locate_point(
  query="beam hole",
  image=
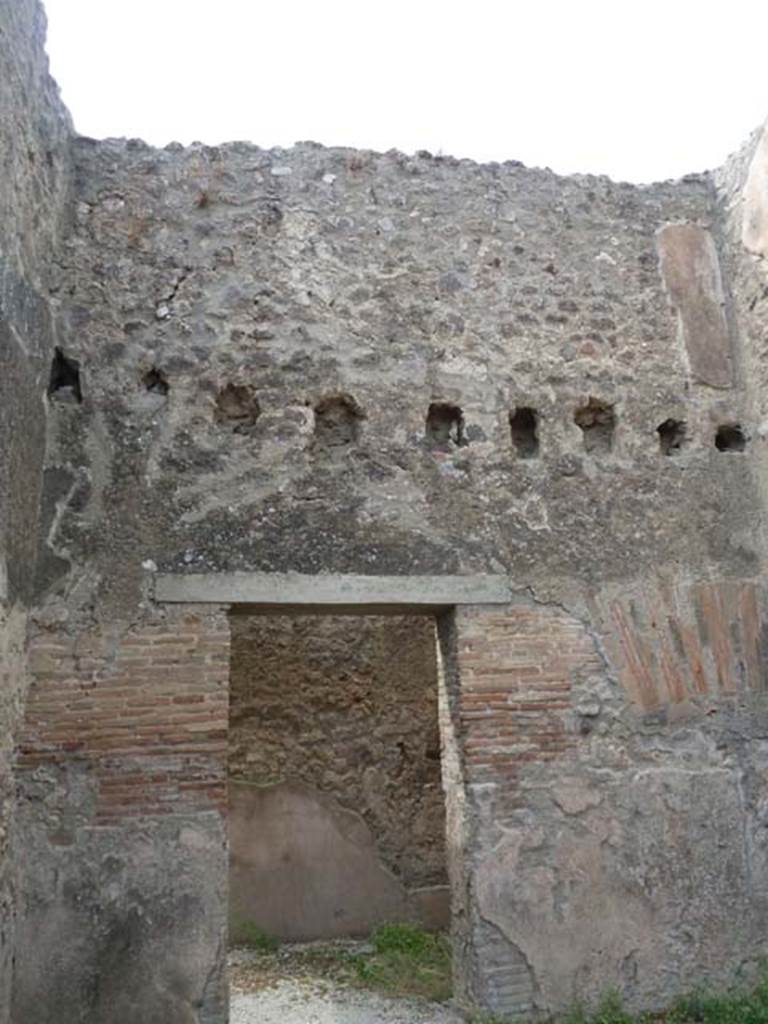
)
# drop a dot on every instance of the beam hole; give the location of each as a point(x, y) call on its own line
point(237, 407)
point(64, 381)
point(597, 422)
point(729, 437)
point(155, 381)
point(445, 426)
point(524, 424)
point(338, 420)
point(673, 436)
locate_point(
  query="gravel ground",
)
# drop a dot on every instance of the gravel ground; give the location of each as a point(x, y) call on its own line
point(297, 1002)
point(310, 985)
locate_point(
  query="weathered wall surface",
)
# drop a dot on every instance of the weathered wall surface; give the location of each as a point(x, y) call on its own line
point(308, 360)
point(614, 848)
point(12, 684)
point(338, 715)
point(402, 283)
point(303, 866)
point(122, 775)
point(742, 192)
point(326, 360)
point(34, 132)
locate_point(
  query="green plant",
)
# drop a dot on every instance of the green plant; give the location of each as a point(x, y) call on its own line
point(244, 932)
point(404, 940)
point(748, 1007)
point(702, 1007)
point(407, 961)
point(610, 1010)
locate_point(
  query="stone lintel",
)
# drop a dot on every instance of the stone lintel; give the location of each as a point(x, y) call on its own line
point(329, 592)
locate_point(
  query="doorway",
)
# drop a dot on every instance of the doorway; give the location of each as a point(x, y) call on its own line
point(337, 819)
point(452, 604)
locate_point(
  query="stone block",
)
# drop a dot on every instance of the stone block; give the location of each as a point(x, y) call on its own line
point(690, 270)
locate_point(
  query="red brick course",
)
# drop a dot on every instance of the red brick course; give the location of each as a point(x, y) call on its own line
point(674, 645)
point(145, 710)
point(517, 667)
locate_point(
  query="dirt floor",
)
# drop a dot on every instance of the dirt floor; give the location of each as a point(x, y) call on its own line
point(316, 984)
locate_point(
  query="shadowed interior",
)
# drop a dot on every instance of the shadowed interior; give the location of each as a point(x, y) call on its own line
point(336, 810)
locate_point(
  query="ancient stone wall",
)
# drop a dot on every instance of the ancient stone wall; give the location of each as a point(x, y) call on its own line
point(322, 360)
point(430, 300)
point(34, 132)
point(12, 686)
point(344, 710)
point(742, 190)
point(337, 361)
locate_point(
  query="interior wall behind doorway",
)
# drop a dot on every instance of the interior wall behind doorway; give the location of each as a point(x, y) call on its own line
point(336, 809)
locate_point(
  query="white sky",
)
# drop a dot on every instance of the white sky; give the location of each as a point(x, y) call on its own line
point(638, 89)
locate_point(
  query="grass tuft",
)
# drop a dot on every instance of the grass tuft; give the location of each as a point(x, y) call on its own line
point(244, 932)
point(407, 961)
point(702, 1007)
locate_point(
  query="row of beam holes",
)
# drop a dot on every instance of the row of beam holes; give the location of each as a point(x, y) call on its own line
point(236, 406)
point(596, 420)
point(338, 418)
point(673, 437)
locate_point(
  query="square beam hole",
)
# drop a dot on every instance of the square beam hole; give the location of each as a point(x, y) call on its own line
point(524, 427)
point(597, 422)
point(729, 437)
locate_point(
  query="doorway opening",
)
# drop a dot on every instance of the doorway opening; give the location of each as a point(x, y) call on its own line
point(337, 812)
